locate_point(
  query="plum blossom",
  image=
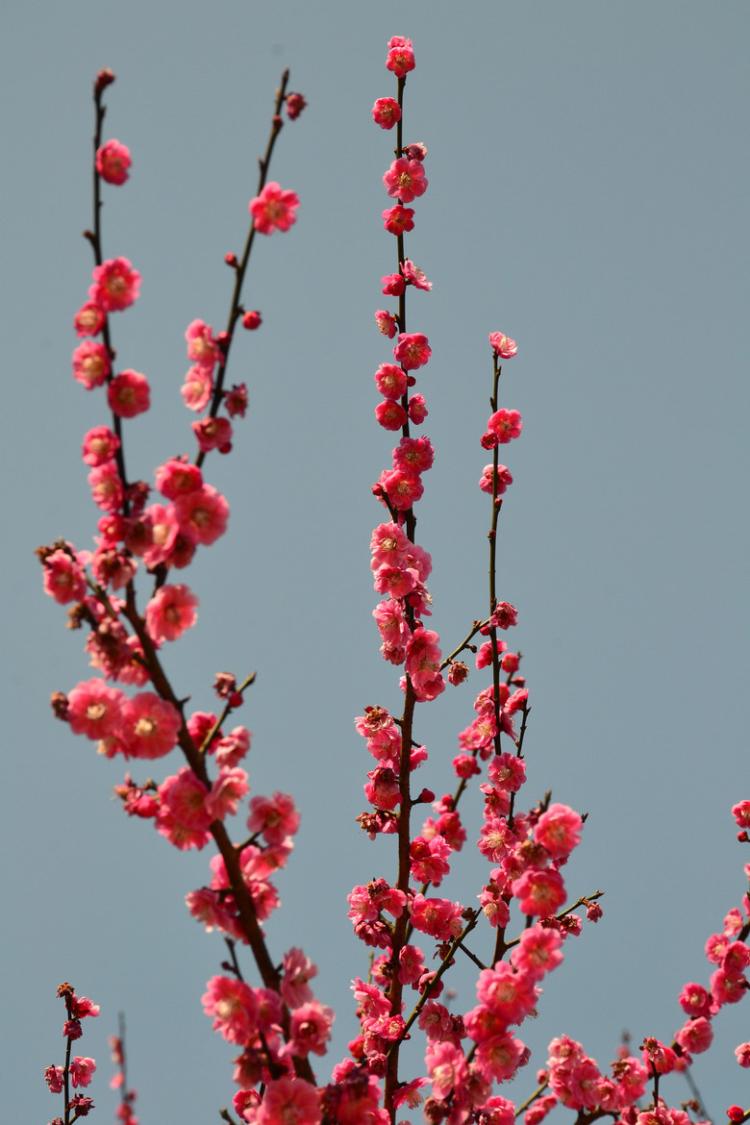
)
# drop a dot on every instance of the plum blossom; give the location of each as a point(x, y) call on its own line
point(274, 209)
point(116, 285)
point(113, 162)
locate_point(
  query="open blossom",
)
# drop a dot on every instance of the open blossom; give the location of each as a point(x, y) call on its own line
point(291, 1101)
point(274, 209)
point(227, 791)
point(113, 162)
point(298, 971)
point(150, 726)
point(170, 612)
point(89, 320)
point(178, 477)
point(559, 830)
point(398, 220)
point(402, 489)
point(116, 285)
point(81, 1070)
point(423, 659)
point(202, 348)
point(310, 1029)
point(233, 1007)
point(502, 345)
point(413, 275)
point(503, 479)
point(540, 891)
point(64, 577)
point(412, 350)
point(197, 387)
point(386, 322)
point(106, 487)
point(390, 415)
point(390, 381)
point(213, 433)
point(94, 709)
point(386, 113)
point(504, 425)
point(54, 1076)
point(400, 59)
point(437, 917)
point(91, 364)
point(276, 817)
point(202, 514)
point(100, 445)
point(405, 179)
point(129, 394)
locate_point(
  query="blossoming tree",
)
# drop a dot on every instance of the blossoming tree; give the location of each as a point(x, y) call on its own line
point(512, 928)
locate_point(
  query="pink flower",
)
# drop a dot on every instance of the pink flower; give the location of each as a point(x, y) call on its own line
point(417, 409)
point(504, 425)
point(54, 1076)
point(539, 891)
point(202, 348)
point(386, 112)
point(390, 381)
point(398, 220)
point(170, 612)
point(413, 275)
point(298, 971)
point(386, 323)
point(499, 1056)
point(150, 726)
point(741, 814)
point(113, 162)
point(177, 478)
point(696, 1036)
point(275, 817)
point(116, 285)
point(423, 658)
point(437, 917)
point(742, 1054)
point(412, 350)
point(559, 831)
point(448, 1068)
point(232, 1005)
point(310, 1029)
point(197, 388)
point(392, 285)
point(202, 514)
point(538, 952)
point(695, 1000)
point(290, 1101)
point(400, 59)
point(94, 709)
point(402, 489)
point(502, 345)
point(164, 529)
point(232, 748)
point(89, 320)
point(226, 793)
point(99, 446)
point(128, 394)
point(64, 577)
point(390, 415)
point(213, 433)
point(274, 209)
point(106, 487)
point(91, 364)
point(82, 1070)
point(503, 479)
point(405, 179)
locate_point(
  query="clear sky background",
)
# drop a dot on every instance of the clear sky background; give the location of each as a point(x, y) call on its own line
point(588, 195)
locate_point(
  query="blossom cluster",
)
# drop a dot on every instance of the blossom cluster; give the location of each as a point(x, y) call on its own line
point(78, 1070)
point(515, 928)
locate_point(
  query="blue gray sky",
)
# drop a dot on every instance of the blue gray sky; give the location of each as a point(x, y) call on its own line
point(588, 182)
